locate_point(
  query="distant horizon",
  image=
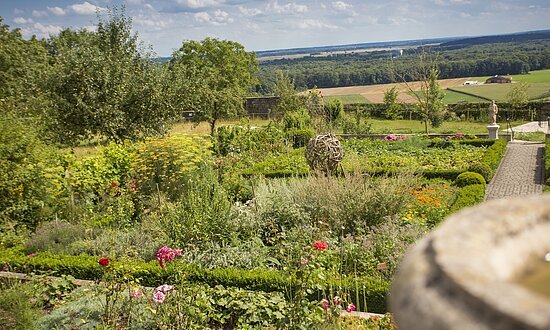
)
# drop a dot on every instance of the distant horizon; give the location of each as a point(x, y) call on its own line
point(284, 24)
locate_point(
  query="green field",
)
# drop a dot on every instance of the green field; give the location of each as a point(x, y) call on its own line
point(498, 92)
point(348, 99)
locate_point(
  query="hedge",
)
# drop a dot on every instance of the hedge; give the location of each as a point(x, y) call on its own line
point(85, 267)
point(469, 196)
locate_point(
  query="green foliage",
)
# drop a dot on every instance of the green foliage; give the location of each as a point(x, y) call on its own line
point(493, 155)
point(356, 125)
point(17, 310)
point(166, 163)
point(289, 100)
point(243, 139)
point(203, 212)
point(334, 110)
point(469, 178)
point(54, 237)
point(469, 196)
point(102, 84)
point(289, 164)
point(373, 290)
point(483, 169)
point(300, 137)
point(215, 75)
point(392, 105)
point(25, 185)
point(296, 120)
point(517, 96)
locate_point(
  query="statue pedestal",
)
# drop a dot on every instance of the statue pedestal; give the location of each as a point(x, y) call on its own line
point(493, 131)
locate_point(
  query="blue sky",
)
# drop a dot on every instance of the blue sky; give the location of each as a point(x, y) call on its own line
point(276, 24)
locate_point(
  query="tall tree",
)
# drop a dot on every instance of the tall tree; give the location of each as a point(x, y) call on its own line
point(517, 97)
point(214, 75)
point(426, 90)
point(391, 104)
point(289, 99)
point(104, 84)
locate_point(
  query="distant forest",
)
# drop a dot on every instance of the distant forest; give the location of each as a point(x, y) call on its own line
point(454, 60)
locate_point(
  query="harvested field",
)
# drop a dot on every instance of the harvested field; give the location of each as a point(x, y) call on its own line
point(375, 93)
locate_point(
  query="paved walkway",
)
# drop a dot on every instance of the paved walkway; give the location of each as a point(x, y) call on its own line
point(521, 171)
point(531, 127)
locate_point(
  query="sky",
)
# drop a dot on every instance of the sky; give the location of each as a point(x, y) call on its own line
point(280, 24)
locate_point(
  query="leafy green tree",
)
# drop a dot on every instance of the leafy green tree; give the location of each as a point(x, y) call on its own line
point(23, 65)
point(391, 103)
point(517, 97)
point(212, 77)
point(289, 99)
point(103, 84)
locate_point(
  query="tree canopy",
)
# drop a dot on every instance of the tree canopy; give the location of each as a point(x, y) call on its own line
point(213, 76)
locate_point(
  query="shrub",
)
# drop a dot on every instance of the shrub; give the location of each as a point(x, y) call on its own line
point(55, 237)
point(493, 155)
point(334, 110)
point(164, 164)
point(482, 169)
point(300, 137)
point(24, 183)
point(469, 196)
point(244, 139)
point(16, 308)
point(296, 120)
point(469, 178)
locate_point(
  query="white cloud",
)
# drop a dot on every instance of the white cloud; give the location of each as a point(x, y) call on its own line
point(134, 2)
point(289, 8)
point(18, 11)
point(155, 23)
point(85, 8)
point(341, 5)
point(21, 20)
point(57, 11)
point(39, 13)
point(314, 24)
point(198, 3)
point(149, 6)
point(218, 17)
point(47, 29)
point(249, 11)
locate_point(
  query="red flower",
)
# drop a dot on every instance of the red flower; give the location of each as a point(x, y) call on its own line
point(104, 262)
point(320, 245)
point(114, 184)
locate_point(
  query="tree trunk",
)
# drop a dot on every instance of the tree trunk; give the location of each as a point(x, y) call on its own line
point(212, 127)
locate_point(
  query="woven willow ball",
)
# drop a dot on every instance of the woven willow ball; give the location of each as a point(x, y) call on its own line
point(324, 153)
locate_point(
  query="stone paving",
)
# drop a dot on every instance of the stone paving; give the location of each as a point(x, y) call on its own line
point(520, 173)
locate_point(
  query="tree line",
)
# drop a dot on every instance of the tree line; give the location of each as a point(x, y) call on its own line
point(382, 67)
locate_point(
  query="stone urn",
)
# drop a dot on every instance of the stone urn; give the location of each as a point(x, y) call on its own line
point(487, 267)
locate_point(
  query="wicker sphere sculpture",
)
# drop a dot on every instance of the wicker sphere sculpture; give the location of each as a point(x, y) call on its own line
point(324, 153)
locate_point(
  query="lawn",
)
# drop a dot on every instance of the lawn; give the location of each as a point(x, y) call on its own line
point(348, 99)
point(452, 97)
point(498, 92)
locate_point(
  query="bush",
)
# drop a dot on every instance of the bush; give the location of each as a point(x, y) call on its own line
point(469, 196)
point(24, 182)
point(16, 308)
point(494, 154)
point(483, 169)
point(164, 164)
point(469, 178)
point(55, 237)
point(371, 289)
point(300, 137)
point(244, 139)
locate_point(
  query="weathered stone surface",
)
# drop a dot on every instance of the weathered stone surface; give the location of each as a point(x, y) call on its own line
point(462, 275)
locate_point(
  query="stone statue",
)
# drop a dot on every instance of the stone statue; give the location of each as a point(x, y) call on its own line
point(493, 110)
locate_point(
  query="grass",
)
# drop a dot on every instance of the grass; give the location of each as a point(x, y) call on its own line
point(498, 92)
point(348, 99)
point(415, 126)
point(454, 97)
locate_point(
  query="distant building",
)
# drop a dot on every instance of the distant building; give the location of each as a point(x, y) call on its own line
point(471, 82)
point(498, 80)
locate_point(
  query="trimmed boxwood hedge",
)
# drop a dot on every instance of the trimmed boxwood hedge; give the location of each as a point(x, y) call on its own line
point(469, 196)
point(373, 290)
point(547, 160)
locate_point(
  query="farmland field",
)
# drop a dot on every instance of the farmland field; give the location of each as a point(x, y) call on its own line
point(539, 87)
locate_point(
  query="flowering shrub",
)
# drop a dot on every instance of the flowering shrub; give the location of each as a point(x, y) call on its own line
point(165, 254)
